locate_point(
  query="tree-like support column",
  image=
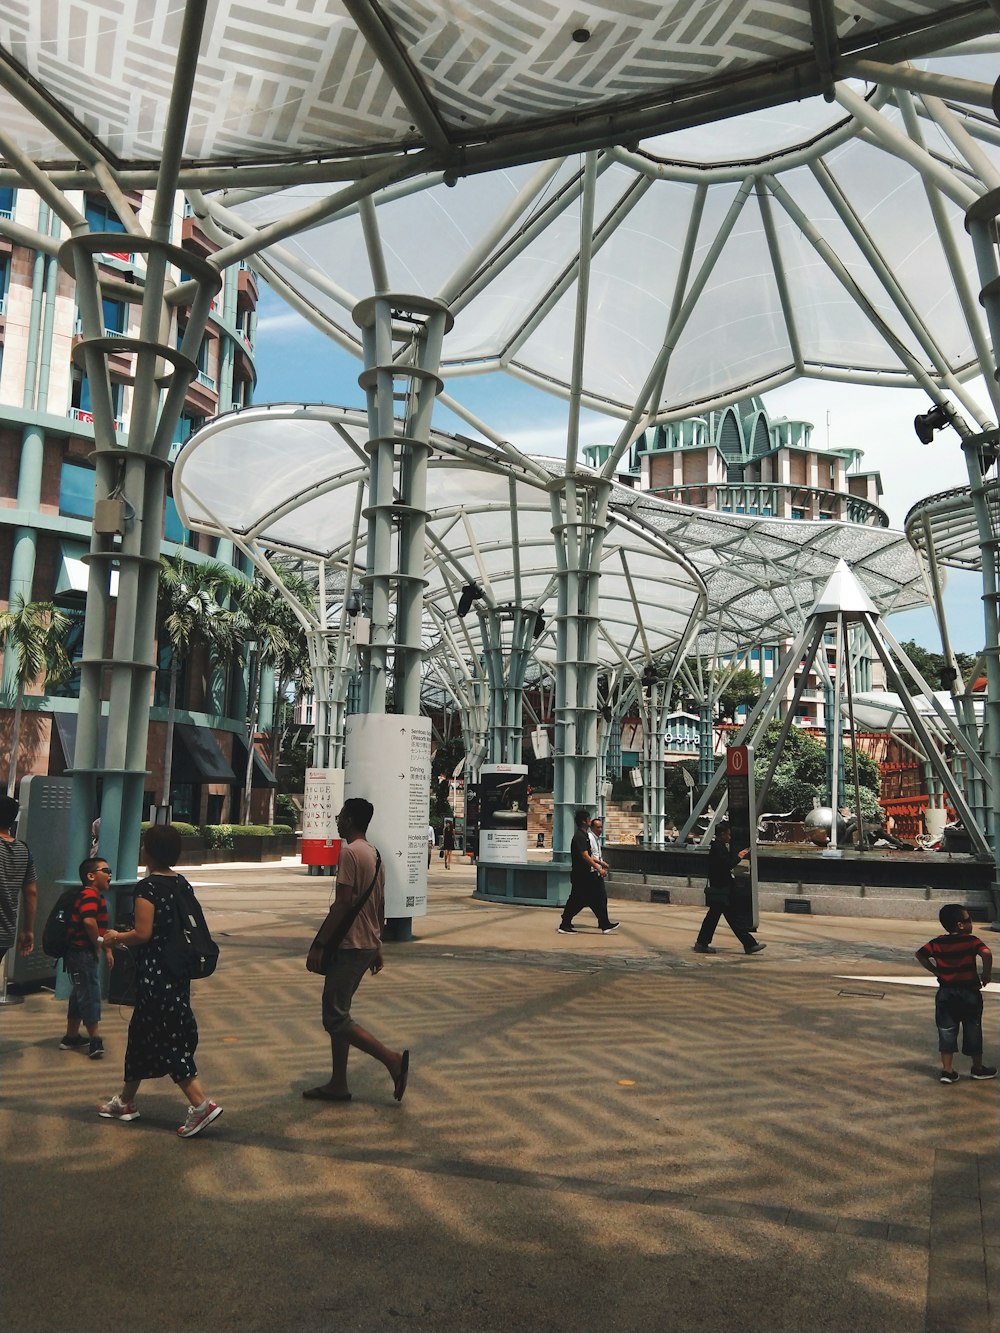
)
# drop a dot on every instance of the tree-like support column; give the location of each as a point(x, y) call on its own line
point(653, 695)
point(579, 522)
point(981, 453)
point(128, 527)
point(506, 671)
point(402, 338)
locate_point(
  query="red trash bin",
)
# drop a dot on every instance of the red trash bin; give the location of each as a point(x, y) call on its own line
point(320, 851)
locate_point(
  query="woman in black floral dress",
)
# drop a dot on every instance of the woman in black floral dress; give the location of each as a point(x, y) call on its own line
point(163, 1034)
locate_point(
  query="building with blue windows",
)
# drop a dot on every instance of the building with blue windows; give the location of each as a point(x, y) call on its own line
point(47, 489)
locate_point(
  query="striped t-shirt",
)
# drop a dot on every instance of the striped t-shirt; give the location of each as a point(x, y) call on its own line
point(955, 959)
point(88, 903)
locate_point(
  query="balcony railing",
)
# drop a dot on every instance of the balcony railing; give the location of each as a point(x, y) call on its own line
point(775, 499)
point(108, 333)
point(206, 380)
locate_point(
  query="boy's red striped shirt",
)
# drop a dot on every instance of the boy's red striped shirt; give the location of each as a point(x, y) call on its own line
point(88, 903)
point(955, 958)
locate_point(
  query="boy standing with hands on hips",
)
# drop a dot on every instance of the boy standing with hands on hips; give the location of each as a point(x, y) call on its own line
point(952, 958)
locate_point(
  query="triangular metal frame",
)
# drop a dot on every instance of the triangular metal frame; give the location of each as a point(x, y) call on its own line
point(843, 601)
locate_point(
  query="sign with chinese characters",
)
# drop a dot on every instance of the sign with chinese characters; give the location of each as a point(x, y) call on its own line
point(324, 795)
point(388, 762)
point(503, 814)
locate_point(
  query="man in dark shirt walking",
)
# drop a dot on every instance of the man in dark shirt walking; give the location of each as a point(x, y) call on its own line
point(952, 958)
point(720, 893)
point(586, 881)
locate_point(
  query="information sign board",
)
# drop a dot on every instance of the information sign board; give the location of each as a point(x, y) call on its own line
point(388, 762)
point(503, 814)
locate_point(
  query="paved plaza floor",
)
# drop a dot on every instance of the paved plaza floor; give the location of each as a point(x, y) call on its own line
point(600, 1133)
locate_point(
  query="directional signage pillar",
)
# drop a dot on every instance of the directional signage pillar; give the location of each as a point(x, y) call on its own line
point(743, 814)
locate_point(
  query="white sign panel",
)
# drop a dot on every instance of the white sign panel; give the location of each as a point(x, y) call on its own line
point(388, 762)
point(324, 795)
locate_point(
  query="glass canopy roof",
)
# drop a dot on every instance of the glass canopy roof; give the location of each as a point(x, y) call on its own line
point(944, 526)
point(776, 189)
point(816, 240)
point(286, 478)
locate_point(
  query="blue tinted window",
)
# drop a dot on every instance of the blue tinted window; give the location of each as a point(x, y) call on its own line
point(173, 529)
point(76, 491)
point(101, 218)
point(73, 643)
point(113, 315)
point(7, 202)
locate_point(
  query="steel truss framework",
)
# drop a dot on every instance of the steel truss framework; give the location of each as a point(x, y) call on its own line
point(83, 110)
point(675, 585)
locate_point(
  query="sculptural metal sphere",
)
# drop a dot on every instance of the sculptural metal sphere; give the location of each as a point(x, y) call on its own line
point(820, 817)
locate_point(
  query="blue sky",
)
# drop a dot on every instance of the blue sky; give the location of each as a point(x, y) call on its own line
point(296, 363)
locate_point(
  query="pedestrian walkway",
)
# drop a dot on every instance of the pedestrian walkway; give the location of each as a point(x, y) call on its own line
point(600, 1132)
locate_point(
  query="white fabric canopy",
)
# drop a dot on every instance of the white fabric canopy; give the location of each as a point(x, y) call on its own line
point(286, 478)
point(288, 81)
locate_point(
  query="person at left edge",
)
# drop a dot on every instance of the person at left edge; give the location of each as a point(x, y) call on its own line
point(17, 879)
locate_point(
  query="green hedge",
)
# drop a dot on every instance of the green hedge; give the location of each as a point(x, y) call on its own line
point(223, 835)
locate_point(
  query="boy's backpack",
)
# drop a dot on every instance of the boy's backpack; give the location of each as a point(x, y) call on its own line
point(55, 936)
point(190, 952)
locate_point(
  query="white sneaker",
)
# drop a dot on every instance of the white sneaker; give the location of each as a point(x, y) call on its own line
point(116, 1109)
point(197, 1118)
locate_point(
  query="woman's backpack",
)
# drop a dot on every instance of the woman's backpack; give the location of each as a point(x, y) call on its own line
point(190, 953)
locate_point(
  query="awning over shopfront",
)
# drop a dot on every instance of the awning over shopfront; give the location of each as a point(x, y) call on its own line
point(64, 725)
point(73, 572)
point(262, 775)
point(198, 757)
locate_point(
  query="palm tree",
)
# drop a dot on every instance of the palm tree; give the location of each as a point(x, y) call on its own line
point(191, 614)
point(278, 641)
point(34, 632)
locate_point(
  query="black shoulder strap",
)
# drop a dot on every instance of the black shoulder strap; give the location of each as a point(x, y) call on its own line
point(355, 910)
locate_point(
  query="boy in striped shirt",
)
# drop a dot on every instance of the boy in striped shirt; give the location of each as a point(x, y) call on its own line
point(952, 958)
point(84, 943)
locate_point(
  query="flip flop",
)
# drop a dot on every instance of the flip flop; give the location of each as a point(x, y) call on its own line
point(399, 1084)
point(321, 1095)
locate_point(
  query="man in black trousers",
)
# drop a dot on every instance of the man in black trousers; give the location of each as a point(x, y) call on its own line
point(586, 880)
point(720, 894)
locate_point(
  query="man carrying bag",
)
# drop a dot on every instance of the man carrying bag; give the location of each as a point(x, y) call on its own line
point(347, 945)
point(723, 896)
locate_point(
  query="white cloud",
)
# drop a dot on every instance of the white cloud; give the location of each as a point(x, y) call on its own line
point(284, 322)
